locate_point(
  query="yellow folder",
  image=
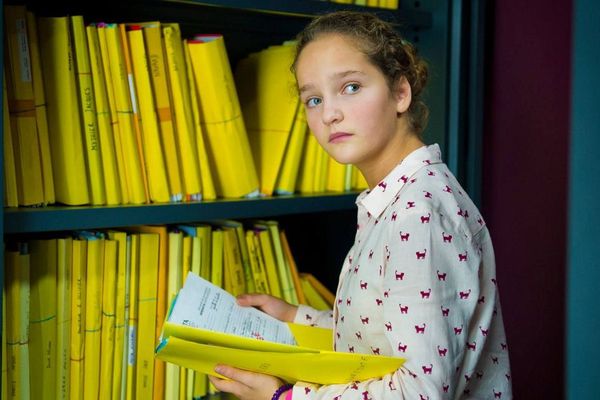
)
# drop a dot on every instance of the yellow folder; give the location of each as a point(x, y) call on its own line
point(21, 104)
point(234, 280)
point(175, 282)
point(63, 316)
point(156, 170)
point(123, 259)
point(240, 234)
point(93, 317)
point(336, 176)
point(135, 108)
point(78, 291)
point(64, 124)
point(158, 74)
point(109, 293)
point(179, 92)
point(132, 313)
point(162, 297)
point(293, 268)
point(269, 105)
point(311, 360)
point(216, 265)
point(148, 287)
point(110, 169)
point(265, 244)
point(289, 171)
point(42, 318)
point(10, 178)
point(17, 341)
point(110, 106)
point(119, 80)
point(206, 178)
point(88, 111)
point(40, 109)
point(308, 165)
point(259, 273)
point(228, 146)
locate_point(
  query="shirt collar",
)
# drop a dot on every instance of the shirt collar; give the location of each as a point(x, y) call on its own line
point(377, 199)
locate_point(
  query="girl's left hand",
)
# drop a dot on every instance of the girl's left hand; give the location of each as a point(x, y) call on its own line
point(244, 384)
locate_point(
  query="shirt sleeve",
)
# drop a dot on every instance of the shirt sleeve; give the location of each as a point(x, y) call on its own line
point(430, 290)
point(309, 316)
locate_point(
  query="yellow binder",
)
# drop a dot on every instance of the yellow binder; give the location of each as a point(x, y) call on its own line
point(207, 182)
point(63, 316)
point(288, 174)
point(259, 275)
point(308, 165)
point(132, 313)
point(148, 287)
point(269, 105)
point(10, 178)
point(88, 111)
point(109, 293)
point(228, 146)
point(111, 106)
point(158, 185)
point(40, 109)
point(64, 126)
point(17, 308)
point(175, 282)
point(78, 306)
point(162, 298)
point(119, 80)
point(234, 280)
point(123, 259)
point(336, 176)
point(292, 267)
point(180, 96)
point(93, 317)
point(158, 74)
point(42, 318)
point(270, 262)
point(216, 267)
point(21, 104)
point(110, 169)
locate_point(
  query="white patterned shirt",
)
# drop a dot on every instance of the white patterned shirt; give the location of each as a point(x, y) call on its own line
point(419, 283)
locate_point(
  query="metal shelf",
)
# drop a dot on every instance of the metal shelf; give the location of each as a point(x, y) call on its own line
point(57, 218)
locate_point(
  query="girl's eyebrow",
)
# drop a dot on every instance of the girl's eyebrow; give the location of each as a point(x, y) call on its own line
point(337, 75)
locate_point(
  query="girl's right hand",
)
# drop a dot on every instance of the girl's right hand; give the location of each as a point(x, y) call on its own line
point(273, 306)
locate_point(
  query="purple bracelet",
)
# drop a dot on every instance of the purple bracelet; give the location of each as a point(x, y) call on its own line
point(281, 390)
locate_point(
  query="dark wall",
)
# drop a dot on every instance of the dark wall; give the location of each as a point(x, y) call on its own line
point(525, 182)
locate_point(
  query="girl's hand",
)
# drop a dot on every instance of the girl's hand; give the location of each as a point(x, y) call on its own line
point(273, 306)
point(245, 385)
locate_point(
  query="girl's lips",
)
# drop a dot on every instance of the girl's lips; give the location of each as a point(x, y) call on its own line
point(338, 136)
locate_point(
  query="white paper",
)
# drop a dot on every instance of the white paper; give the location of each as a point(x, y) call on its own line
point(201, 304)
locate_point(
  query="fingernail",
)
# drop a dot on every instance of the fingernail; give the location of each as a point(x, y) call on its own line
point(219, 369)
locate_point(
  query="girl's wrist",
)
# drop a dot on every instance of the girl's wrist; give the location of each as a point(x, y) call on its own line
point(281, 391)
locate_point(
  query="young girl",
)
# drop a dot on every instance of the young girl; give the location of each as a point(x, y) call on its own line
point(419, 281)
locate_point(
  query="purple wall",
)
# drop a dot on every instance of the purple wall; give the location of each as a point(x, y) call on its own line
point(525, 182)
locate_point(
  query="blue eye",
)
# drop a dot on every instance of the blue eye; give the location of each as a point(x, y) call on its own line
point(313, 102)
point(351, 88)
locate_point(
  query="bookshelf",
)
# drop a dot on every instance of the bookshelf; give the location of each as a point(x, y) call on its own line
point(320, 227)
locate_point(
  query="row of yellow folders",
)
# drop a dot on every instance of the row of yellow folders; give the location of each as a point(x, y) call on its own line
point(117, 113)
point(82, 314)
point(391, 4)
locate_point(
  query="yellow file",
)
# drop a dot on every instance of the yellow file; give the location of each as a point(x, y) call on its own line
point(156, 171)
point(42, 315)
point(21, 104)
point(110, 170)
point(10, 178)
point(288, 174)
point(78, 306)
point(64, 123)
point(228, 146)
point(148, 287)
point(158, 74)
point(88, 111)
point(109, 293)
point(41, 116)
point(63, 316)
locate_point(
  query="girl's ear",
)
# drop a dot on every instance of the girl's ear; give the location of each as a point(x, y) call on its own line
point(403, 95)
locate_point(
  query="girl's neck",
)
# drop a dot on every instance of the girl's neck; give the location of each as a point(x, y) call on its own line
point(376, 172)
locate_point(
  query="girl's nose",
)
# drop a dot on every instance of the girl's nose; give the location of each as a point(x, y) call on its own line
point(332, 115)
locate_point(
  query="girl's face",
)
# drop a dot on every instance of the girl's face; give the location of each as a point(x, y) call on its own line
point(349, 106)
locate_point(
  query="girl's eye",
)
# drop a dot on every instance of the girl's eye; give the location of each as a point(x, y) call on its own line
point(313, 102)
point(351, 88)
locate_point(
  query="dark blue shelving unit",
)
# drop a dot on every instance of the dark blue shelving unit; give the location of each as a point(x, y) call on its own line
point(56, 218)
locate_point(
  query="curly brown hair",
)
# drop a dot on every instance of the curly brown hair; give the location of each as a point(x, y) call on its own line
point(384, 47)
